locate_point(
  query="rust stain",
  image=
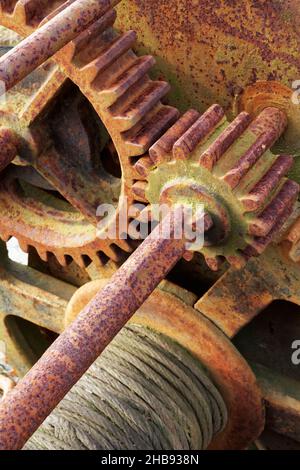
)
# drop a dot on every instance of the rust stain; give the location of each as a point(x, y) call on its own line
point(216, 48)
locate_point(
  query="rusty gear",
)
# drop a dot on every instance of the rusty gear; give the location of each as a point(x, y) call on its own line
point(228, 168)
point(134, 129)
point(116, 83)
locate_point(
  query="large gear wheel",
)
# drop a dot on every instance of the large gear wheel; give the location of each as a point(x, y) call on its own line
point(246, 193)
point(100, 62)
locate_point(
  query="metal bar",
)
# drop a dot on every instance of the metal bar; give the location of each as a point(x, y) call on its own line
point(50, 38)
point(24, 409)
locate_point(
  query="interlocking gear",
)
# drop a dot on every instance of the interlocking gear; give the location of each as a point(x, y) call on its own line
point(229, 166)
point(229, 169)
point(115, 81)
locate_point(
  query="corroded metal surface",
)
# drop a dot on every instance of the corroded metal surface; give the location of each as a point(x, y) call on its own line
point(30, 304)
point(97, 61)
point(210, 50)
point(26, 407)
point(234, 378)
point(266, 344)
point(50, 37)
point(219, 48)
point(239, 296)
point(167, 311)
point(256, 97)
point(8, 145)
point(115, 81)
point(279, 392)
point(40, 219)
point(156, 312)
point(170, 309)
point(228, 162)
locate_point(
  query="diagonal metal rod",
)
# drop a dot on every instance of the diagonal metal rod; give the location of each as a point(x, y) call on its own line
point(49, 39)
point(24, 409)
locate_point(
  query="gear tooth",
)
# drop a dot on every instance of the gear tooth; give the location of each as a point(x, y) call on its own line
point(162, 149)
point(258, 245)
point(198, 132)
point(293, 235)
point(22, 11)
point(100, 259)
point(102, 63)
point(117, 47)
point(271, 215)
point(270, 120)
point(114, 252)
point(43, 254)
point(23, 245)
point(62, 245)
point(139, 191)
point(234, 130)
point(4, 235)
point(140, 138)
point(80, 261)
point(89, 40)
point(125, 246)
point(33, 12)
point(267, 184)
point(143, 166)
point(267, 127)
point(132, 107)
point(62, 259)
point(234, 176)
point(121, 77)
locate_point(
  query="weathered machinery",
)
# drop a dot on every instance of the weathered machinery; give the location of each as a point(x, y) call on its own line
point(88, 119)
